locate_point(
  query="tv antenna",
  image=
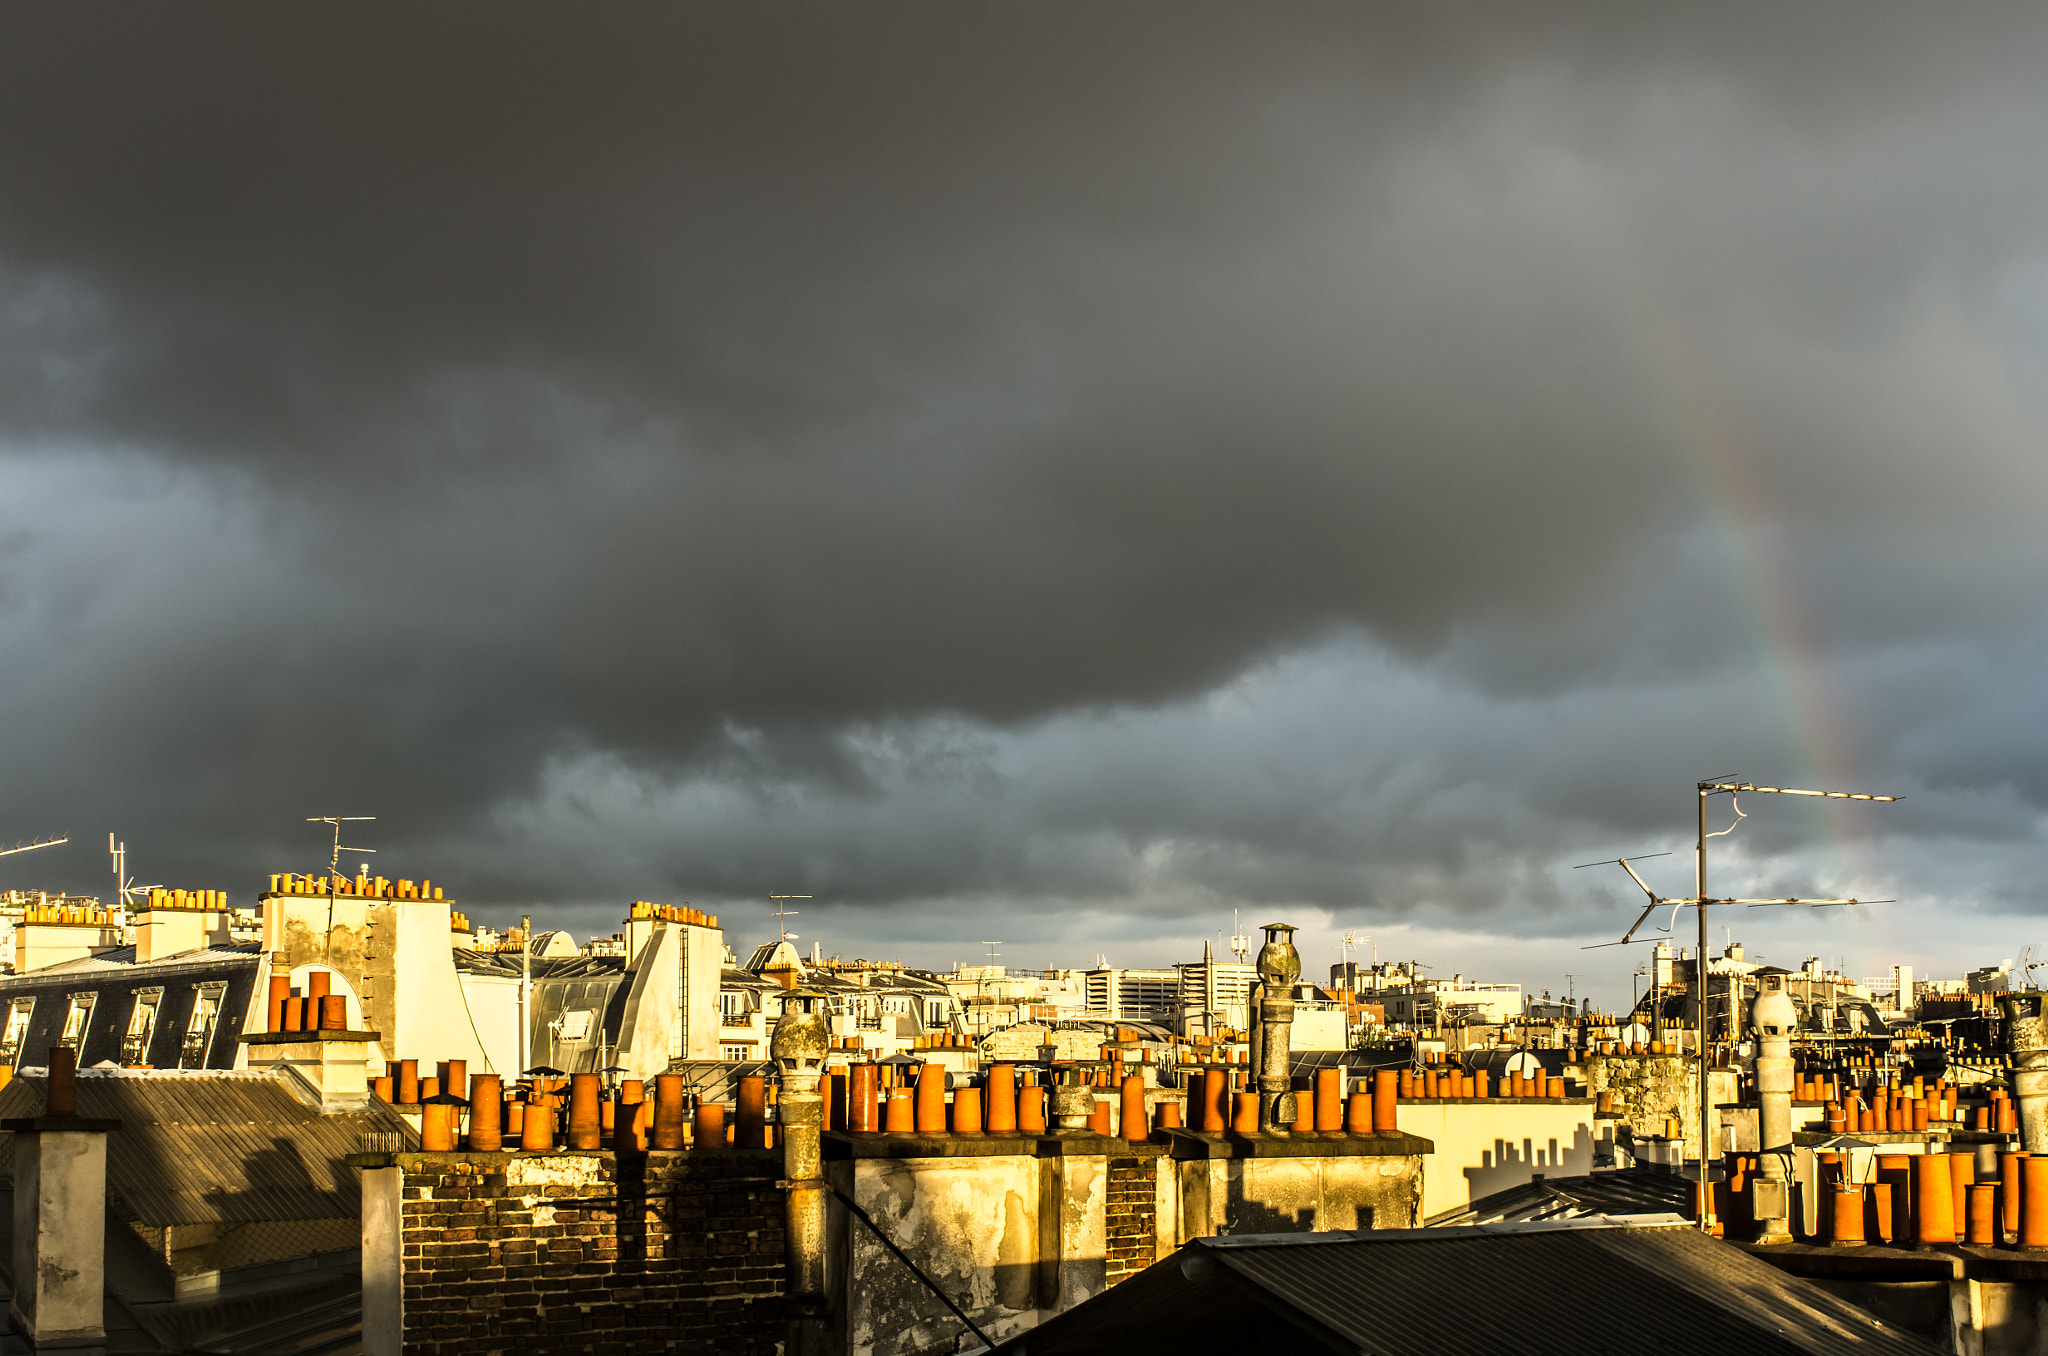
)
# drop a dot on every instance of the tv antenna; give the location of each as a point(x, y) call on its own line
point(2028, 965)
point(1240, 945)
point(1701, 901)
point(125, 887)
point(334, 857)
point(992, 952)
point(783, 914)
point(31, 847)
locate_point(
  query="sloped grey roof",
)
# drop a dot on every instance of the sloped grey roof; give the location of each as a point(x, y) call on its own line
point(204, 1146)
point(716, 1080)
point(506, 963)
point(1513, 1290)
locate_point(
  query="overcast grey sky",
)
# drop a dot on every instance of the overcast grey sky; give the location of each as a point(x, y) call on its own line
point(1053, 473)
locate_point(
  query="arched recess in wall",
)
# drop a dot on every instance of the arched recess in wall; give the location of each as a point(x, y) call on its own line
point(337, 983)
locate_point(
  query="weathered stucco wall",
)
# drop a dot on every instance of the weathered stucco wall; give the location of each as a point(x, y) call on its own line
point(1297, 1194)
point(1484, 1146)
point(1011, 1238)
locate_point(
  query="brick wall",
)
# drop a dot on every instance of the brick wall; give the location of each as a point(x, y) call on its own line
point(1132, 1207)
point(533, 1253)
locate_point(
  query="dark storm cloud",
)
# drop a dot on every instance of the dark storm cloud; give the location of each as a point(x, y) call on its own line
point(474, 412)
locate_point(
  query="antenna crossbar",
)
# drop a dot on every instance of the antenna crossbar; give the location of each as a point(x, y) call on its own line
point(31, 847)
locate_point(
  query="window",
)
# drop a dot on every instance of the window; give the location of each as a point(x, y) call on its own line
point(77, 1018)
point(574, 1025)
point(17, 1028)
point(735, 1053)
point(141, 1026)
point(199, 1031)
point(935, 1015)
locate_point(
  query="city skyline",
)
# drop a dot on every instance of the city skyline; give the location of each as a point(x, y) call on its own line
point(1060, 473)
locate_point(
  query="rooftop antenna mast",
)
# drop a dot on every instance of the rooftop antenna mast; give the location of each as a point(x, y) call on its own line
point(1240, 945)
point(783, 914)
point(334, 868)
point(125, 887)
point(1701, 902)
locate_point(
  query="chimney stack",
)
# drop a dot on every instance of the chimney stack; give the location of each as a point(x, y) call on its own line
point(60, 1204)
point(798, 1048)
point(1279, 967)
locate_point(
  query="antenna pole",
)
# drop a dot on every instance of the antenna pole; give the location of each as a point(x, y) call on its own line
point(1706, 1196)
point(783, 914)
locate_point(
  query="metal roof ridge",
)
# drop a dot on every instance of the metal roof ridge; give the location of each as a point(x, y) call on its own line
point(1659, 1220)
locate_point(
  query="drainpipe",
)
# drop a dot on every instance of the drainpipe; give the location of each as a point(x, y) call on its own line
point(1279, 967)
point(1773, 1016)
point(2026, 1040)
point(60, 1206)
point(798, 1048)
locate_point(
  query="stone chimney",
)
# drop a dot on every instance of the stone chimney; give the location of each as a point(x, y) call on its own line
point(1279, 967)
point(1774, 1018)
point(2026, 1040)
point(798, 1048)
point(169, 929)
point(327, 1068)
point(60, 1205)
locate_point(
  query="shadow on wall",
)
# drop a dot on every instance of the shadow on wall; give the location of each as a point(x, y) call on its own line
point(1509, 1165)
point(1299, 1202)
point(1243, 1215)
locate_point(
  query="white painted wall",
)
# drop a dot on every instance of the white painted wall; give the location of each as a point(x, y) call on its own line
point(493, 1004)
point(433, 1016)
point(646, 1025)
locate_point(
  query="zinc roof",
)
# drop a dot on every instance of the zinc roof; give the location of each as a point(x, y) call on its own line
point(1513, 1290)
point(203, 1146)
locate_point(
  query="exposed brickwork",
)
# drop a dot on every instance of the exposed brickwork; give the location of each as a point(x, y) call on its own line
point(534, 1254)
point(1133, 1216)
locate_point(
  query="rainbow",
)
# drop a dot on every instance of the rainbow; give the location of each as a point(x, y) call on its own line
point(1722, 463)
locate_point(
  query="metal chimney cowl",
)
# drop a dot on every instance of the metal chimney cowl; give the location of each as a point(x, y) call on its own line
point(2026, 1040)
point(800, 1040)
point(1279, 962)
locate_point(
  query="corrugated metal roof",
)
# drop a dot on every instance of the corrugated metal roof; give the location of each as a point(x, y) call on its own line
point(1671, 1289)
point(205, 1146)
point(1515, 1290)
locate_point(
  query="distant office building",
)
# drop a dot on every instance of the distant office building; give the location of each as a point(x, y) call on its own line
point(1132, 995)
point(1215, 995)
